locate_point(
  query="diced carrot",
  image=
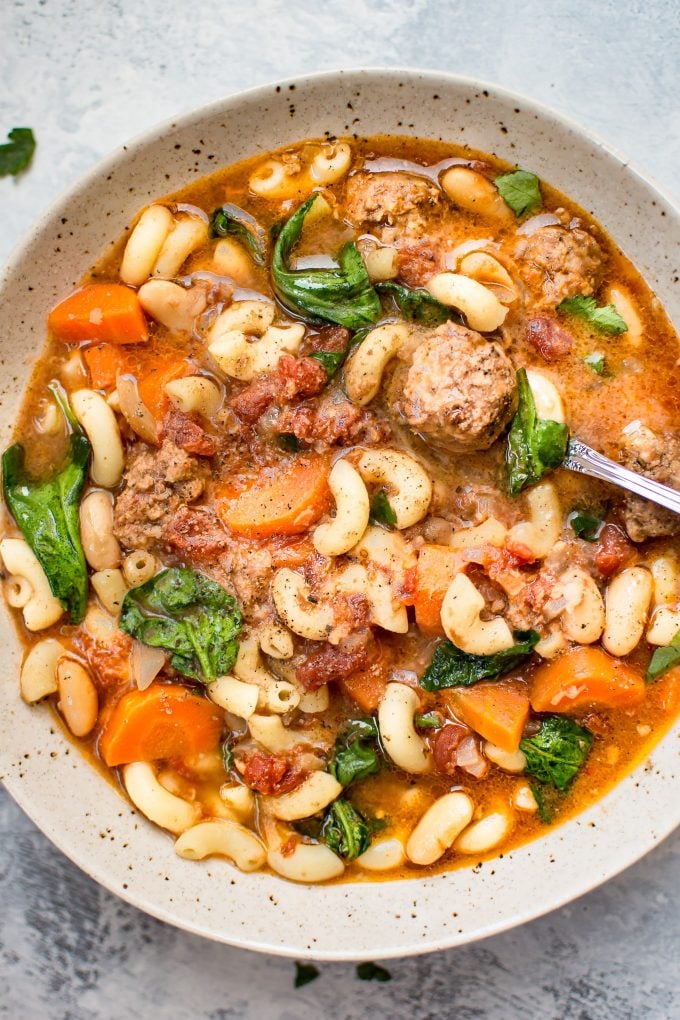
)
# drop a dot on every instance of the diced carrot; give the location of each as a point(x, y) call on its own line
point(104, 362)
point(153, 377)
point(365, 688)
point(665, 692)
point(582, 678)
point(497, 710)
point(286, 504)
point(437, 566)
point(107, 312)
point(164, 721)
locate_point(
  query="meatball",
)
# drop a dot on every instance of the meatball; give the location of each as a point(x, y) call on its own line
point(657, 457)
point(385, 197)
point(556, 263)
point(455, 388)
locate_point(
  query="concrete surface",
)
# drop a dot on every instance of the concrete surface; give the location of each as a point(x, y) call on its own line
point(86, 76)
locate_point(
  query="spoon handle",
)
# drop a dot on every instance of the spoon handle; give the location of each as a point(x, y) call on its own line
point(583, 459)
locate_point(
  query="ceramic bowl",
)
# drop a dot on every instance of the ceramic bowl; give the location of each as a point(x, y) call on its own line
point(75, 807)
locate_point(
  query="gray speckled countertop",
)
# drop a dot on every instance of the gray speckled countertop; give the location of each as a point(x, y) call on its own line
point(86, 76)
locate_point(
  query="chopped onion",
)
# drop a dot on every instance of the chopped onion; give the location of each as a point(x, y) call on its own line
point(470, 759)
point(136, 413)
point(452, 257)
point(145, 663)
point(534, 223)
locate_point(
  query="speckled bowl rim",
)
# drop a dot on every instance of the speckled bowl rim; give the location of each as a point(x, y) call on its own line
point(524, 895)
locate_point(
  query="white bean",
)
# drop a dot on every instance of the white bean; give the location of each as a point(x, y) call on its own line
point(439, 827)
point(509, 761)
point(230, 259)
point(547, 399)
point(624, 304)
point(583, 619)
point(100, 545)
point(523, 799)
point(381, 264)
point(110, 588)
point(627, 606)
point(77, 697)
point(474, 193)
point(309, 862)
point(38, 676)
point(383, 856)
point(175, 307)
point(188, 234)
point(144, 245)
point(665, 624)
point(480, 306)
point(485, 834)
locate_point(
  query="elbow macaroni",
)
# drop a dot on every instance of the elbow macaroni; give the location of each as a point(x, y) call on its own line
point(365, 367)
point(480, 306)
point(34, 596)
point(101, 427)
point(460, 616)
point(408, 485)
point(402, 744)
point(225, 838)
point(351, 514)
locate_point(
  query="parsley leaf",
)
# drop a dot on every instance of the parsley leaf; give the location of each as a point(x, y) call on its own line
point(17, 153)
point(596, 363)
point(429, 721)
point(381, 509)
point(451, 667)
point(304, 973)
point(520, 190)
point(534, 445)
point(586, 525)
point(664, 659)
point(418, 305)
point(372, 972)
point(604, 318)
point(557, 752)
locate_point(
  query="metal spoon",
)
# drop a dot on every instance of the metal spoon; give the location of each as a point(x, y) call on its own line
point(587, 462)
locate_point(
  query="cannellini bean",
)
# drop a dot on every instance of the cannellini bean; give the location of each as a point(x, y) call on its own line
point(666, 575)
point(276, 641)
point(627, 605)
point(402, 744)
point(226, 838)
point(352, 510)
point(625, 305)
point(664, 625)
point(364, 368)
point(381, 264)
point(485, 834)
point(509, 761)
point(188, 234)
point(195, 394)
point(583, 620)
point(314, 794)
point(309, 862)
point(484, 268)
point(234, 696)
point(164, 808)
point(173, 306)
point(28, 588)
point(100, 545)
point(547, 399)
point(462, 623)
point(383, 856)
point(439, 827)
point(144, 245)
point(524, 800)
point(99, 422)
point(77, 697)
point(291, 596)
point(480, 306)
point(408, 484)
point(110, 588)
point(139, 567)
point(474, 193)
point(489, 532)
point(38, 676)
point(231, 259)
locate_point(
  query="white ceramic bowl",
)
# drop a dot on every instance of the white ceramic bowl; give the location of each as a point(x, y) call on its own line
point(83, 814)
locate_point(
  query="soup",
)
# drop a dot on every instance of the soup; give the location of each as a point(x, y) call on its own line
point(288, 536)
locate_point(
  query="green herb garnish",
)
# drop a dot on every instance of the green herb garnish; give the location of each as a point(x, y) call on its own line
point(534, 445)
point(586, 525)
point(381, 509)
point(343, 295)
point(429, 721)
point(17, 153)
point(603, 318)
point(664, 659)
point(451, 667)
point(521, 190)
point(557, 752)
point(190, 616)
point(596, 363)
point(331, 360)
point(47, 512)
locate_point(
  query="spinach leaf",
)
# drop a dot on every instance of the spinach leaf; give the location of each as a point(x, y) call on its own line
point(229, 220)
point(520, 190)
point(17, 153)
point(343, 295)
point(534, 445)
point(192, 617)
point(557, 752)
point(381, 509)
point(586, 524)
point(345, 830)
point(356, 754)
point(47, 512)
point(664, 659)
point(304, 973)
point(429, 721)
point(331, 360)
point(451, 667)
point(596, 363)
point(549, 800)
point(370, 971)
point(417, 305)
point(289, 441)
point(604, 318)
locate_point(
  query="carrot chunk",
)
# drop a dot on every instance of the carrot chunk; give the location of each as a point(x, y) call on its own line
point(497, 710)
point(107, 312)
point(583, 677)
point(104, 362)
point(153, 377)
point(286, 504)
point(164, 721)
point(437, 566)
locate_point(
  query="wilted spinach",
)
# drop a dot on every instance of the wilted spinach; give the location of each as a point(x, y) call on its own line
point(230, 221)
point(557, 752)
point(451, 667)
point(417, 304)
point(534, 445)
point(345, 831)
point(357, 752)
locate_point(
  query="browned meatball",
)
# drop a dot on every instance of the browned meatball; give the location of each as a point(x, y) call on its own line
point(556, 263)
point(385, 197)
point(455, 388)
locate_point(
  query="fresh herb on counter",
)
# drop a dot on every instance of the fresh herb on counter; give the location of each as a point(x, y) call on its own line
point(17, 153)
point(304, 973)
point(370, 971)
